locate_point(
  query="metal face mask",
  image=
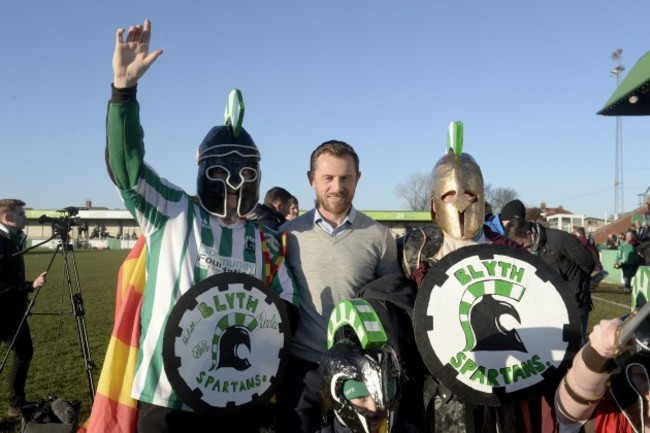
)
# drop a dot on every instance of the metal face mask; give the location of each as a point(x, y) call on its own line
point(457, 193)
point(377, 369)
point(228, 163)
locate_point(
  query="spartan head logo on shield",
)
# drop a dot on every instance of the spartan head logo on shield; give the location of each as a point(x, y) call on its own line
point(483, 315)
point(495, 324)
point(231, 344)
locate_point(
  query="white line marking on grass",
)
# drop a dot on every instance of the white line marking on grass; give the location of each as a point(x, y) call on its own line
point(611, 302)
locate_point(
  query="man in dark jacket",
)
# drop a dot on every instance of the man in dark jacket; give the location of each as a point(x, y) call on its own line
point(599, 273)
point(643, 250)
point(13, 298)
point(564, 253)
point(497, 223)
point(273, 212)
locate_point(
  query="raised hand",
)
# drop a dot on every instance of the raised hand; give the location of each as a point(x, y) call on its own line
point(131, 58)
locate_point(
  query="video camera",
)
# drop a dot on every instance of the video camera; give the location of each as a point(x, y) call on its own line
point(62, 223)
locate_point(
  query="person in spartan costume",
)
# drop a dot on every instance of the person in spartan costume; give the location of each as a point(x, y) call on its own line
point(458, 214)
point(392, 297)
point(608, 387)
point(359, 374)
point(188, 239)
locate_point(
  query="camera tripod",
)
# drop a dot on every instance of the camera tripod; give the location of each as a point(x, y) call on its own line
point(61, 228)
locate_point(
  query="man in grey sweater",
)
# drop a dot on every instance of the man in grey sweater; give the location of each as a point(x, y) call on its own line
point(333, 251)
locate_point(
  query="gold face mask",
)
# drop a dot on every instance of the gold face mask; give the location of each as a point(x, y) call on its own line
point(458, 201)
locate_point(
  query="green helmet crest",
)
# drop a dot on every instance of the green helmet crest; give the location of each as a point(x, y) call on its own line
point(358, 315)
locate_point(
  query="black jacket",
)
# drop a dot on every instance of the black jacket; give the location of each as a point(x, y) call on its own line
point(266, 216)
point(643, 250)
point(572, 260)
point(393, 297)
point(13, 287)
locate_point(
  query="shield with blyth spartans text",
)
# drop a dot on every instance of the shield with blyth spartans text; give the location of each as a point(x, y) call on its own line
point(495, 324)
point(224, 347)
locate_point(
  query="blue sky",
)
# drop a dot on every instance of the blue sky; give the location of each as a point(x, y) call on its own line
point(526, 78)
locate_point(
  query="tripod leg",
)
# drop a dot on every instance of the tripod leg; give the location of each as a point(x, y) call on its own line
point(76, 300)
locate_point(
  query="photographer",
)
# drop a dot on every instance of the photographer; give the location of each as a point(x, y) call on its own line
point(13, 298)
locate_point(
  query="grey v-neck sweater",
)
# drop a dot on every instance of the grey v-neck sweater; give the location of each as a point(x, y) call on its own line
point(328, 269)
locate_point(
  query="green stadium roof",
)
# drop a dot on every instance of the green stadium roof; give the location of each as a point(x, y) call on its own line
point(635, 86)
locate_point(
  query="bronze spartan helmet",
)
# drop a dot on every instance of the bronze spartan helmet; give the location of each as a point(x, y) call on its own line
point(457, 193)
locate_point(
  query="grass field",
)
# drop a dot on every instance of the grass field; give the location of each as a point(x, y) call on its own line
point(58, 367)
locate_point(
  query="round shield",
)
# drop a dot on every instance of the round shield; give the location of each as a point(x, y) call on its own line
point(495, 324)
point(224, 344)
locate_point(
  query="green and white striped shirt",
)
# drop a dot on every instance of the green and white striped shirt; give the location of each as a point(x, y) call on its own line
point(185, 245)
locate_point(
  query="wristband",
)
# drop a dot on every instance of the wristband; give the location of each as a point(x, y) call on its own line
point(595, 362)
point(580, 398)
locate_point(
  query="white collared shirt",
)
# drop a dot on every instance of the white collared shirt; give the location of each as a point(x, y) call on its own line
point(347, 222)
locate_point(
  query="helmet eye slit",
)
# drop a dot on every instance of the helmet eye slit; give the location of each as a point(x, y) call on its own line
point(248, 174)
point(217, 172)
point(448, 197)
point(471, 197)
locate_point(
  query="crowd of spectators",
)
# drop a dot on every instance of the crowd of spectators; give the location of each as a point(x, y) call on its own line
point(637, 235)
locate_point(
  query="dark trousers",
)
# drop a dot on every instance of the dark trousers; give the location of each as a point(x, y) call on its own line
point(628, 273)
point(158, 419)
point(23, 351)
point(298, 404)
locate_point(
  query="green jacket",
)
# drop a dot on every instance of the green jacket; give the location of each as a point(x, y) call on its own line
point(627, 254)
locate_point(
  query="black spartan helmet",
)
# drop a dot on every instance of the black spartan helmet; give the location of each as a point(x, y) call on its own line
point(378, 369)
point(228, 159)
